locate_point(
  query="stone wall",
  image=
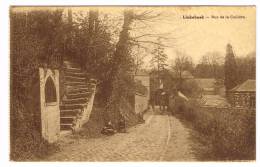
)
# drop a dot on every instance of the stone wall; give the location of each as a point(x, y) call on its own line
point(145, 80)
point(86, 110)
point(141, 101)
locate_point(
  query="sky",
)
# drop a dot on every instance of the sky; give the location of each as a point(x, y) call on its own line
point(207, 35)
point(196, 37)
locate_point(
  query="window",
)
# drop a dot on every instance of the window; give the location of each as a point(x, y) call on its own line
point(50, 91)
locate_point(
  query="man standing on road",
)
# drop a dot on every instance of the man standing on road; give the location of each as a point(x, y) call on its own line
point(122, 124)
point(152, 100)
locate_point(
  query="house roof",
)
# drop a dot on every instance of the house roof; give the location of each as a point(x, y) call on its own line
point(247, 86)
point(214, 101)
point(206, 83)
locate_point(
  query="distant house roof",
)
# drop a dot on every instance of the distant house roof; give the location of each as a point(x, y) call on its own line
point(184, 75)
point(247, 86)
point(206, 83)
point(214, 101)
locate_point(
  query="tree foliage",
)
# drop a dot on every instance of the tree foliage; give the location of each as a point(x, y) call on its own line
point(211, 65)
point(182, 63)
point(159, 57)
point(246, 67)
point(93, 49)
point(231, 79)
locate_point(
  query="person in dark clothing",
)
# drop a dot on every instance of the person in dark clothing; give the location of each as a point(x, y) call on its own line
point(122, 124)
point(141, 117)
point(161, 100)
point(164, 101)
point(152, 101)
point(108, 129)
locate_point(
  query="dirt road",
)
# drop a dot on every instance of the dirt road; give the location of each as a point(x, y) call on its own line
point(161, 138)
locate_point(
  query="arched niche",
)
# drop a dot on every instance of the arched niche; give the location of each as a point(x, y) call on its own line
point(50, 91)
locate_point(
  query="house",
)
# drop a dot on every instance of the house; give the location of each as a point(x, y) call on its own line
point(143, 77)
point(243, 95)
point(211, 86)
point(167, 78)
point(142, 92)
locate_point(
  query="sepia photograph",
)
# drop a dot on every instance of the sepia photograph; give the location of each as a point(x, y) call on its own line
point(132, 83)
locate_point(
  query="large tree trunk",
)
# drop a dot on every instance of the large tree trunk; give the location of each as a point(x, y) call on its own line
point(121, 47)
point(120, 52)
point(119, 58)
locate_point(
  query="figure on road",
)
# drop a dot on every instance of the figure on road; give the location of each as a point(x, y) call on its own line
point(164, 101)
point(108, 129)
point(122, 124)
point(152, 101)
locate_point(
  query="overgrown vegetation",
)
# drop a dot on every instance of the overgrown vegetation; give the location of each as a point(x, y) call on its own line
point(230, 131)
point(190, 88)
point(35, 42)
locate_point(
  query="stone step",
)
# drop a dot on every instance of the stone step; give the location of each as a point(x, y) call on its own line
point(67, 119)
point(70, 64)
point(85, 94)
point(75, 101)
point(75, 78)
point(72, 69)
point(94, 81)
point(75, 74)
point(91, 84)
point(72, 106)
point(67, 126)
point(77, 86)
point(69, 112)
point(74, 83)
point(78, 90)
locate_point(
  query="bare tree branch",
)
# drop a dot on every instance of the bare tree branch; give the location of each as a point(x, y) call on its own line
point(150, 42)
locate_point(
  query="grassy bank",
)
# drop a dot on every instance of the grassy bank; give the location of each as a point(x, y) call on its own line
point(230, 132)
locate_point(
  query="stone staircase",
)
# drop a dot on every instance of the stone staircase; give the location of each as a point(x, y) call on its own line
point(77, 102)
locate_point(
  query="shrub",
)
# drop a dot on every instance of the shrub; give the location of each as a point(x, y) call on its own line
point(234, 136)
point(191, 88)
point(231, 131)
